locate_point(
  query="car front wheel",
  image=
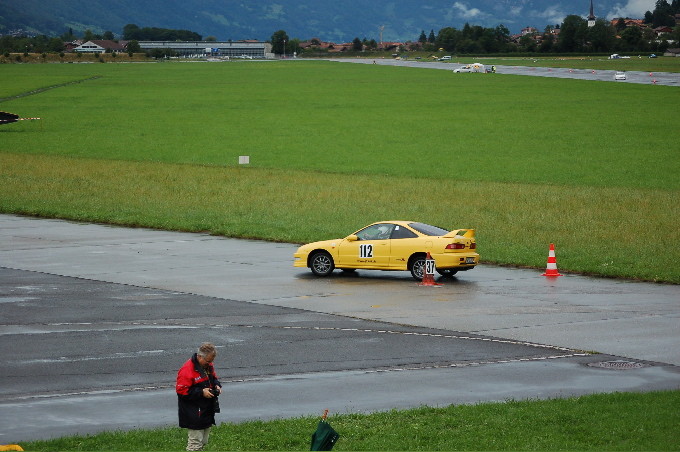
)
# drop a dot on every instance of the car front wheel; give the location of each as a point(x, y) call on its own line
point(321, 264)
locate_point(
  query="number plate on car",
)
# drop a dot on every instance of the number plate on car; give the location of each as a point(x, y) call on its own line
point(469, 260)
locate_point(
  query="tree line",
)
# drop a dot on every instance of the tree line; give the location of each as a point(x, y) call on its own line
point(35, 44)
point(574, 37)
point(131, 32)
point(571, 36)
point(663, 14)
point(134, 32)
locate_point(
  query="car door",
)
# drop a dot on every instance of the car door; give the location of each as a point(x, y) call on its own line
point(403, 244)
point(371, 249)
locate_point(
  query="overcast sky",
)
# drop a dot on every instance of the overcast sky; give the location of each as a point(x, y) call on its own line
point(631, 8)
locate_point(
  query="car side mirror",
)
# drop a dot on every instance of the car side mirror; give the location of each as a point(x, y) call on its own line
point(352, 238)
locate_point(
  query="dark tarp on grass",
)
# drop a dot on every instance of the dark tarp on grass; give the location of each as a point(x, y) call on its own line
point(324, 437)
point(6, 118)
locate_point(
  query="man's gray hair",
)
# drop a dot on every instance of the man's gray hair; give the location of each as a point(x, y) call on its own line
point(206, 349)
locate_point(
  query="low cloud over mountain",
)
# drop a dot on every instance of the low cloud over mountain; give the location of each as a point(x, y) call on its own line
point(333, 21)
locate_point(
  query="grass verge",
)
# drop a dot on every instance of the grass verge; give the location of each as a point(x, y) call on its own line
point(612, 422)
point(595, 230)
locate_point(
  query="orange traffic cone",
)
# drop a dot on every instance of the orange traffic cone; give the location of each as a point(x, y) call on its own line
point(551, 269)
point(428, 272)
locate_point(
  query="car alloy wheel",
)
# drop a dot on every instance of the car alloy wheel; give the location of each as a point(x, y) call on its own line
point(418, 268)
point(321, 264)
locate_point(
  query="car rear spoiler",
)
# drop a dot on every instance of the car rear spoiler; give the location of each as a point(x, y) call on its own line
point(469, 233)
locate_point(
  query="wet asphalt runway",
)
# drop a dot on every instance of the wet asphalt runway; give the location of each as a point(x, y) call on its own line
point(648, 78)
point(96, 320)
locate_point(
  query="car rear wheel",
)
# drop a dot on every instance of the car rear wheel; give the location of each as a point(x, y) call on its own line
point(447, 271)
point(417, 267)
point(321, 263)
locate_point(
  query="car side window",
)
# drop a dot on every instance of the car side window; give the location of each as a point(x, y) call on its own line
point(402, 233)
point(376, 232)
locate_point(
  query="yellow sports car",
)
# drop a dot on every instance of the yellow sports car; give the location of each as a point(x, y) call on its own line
point(393, 245)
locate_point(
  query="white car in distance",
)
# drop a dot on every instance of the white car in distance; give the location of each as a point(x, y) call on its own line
point(473, 67)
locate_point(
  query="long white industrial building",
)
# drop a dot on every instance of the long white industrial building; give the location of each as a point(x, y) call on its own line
point(232, 49)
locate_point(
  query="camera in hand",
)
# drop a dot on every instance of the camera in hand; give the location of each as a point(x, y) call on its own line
point(216, 402)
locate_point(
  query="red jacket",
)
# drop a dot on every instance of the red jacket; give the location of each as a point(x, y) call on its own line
point(195, 411)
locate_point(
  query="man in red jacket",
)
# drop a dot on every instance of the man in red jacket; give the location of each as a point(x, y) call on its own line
point(197, 391)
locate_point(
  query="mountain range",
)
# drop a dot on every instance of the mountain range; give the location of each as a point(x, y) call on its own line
point(396, 20)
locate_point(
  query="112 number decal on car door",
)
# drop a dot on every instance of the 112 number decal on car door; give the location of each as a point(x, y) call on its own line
point(365, 251)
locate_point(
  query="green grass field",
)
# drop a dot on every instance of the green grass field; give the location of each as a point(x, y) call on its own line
point(590, 166)
point(612, 422)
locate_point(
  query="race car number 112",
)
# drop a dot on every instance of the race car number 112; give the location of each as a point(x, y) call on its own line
point(365, 251)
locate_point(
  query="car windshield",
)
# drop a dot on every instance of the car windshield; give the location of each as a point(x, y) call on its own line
point(428, 229)
point(379, 231)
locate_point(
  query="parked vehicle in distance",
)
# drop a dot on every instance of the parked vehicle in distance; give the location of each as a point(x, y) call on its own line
point(445, 58)
point(620, 75)
point(393, 245)
point(474, 67)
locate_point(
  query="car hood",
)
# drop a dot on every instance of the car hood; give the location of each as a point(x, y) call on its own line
point(326, 244)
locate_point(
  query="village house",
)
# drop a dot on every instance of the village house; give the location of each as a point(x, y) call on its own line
point(101, 46)
point(661, 30)
point(640, 23)
point(316, 43)
point(345, 46)
point(72, 45)
point(394, 46)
